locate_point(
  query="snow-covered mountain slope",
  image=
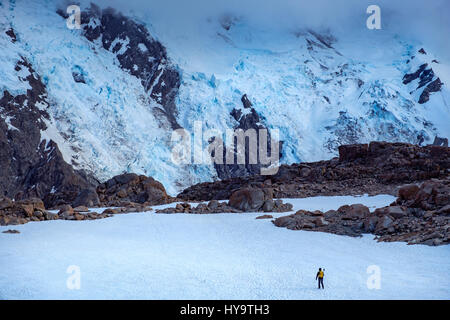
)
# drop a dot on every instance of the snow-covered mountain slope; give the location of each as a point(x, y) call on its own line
point(111, 111)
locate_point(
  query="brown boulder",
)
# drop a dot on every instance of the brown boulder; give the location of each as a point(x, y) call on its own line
point(67, 209)
point(27, 209)
point(87, 198)
point(79, 216)
point(130, 187)
point(320, 222)
point(354, 211)
point(81, 209)
point(50, 216)
point(408, 192)
point(266, 216)
point(396, 212)
point(370, 223)
point(249, 199)
point(5, 203)
point(384, 222)
point(110, 211)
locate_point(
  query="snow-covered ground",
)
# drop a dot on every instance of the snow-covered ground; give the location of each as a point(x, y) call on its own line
point(217, 256)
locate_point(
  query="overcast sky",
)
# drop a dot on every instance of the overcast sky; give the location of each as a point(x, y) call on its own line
point(424, 20)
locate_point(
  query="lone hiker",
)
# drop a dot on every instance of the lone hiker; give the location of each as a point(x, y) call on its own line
point(319, 276)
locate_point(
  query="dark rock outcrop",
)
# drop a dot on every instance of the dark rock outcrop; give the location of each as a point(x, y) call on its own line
point(426, 78)
point(443, 142)
point(434, 86)
point(379, 167)
point(129, 187)
point(250, 199)
point(215, 206)
point(23, 211)
point(87, 197)
point(248, 121)
point(420, 215)
point(33, 209)
point(202, 208)
point(31, 166)
point(10, 32)
point(137, 52)
point(78, 77)
point(12, 231)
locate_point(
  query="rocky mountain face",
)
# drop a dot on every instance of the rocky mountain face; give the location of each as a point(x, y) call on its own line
point(248, 121)
point(427, 82)
point(378, 167)
point(31, 162)
point(31, 166)
point(137, 53)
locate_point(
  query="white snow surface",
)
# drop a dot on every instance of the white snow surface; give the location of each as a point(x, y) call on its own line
point(215, 256)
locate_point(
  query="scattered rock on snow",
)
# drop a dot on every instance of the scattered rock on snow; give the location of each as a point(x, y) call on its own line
point(421, 214)
point(266, 216)
point(11, 231)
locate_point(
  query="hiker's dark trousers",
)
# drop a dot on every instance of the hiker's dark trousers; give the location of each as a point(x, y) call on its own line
point(321, 282)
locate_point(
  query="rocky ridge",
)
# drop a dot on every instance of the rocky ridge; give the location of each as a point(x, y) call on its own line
point(374, 168)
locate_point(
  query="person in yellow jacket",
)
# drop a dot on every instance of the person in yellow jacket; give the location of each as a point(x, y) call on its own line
point(319, 276)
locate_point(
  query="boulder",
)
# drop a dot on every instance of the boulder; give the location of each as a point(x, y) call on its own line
point(384, 222)
point(396, 212)
point(213, 205)
point(110, 211)
point(81, 209)
point(320, 221)
point(268, 205)
point(11, 231)
point(408, 192)
point(130, 187)
point(67, 209)
point(79, 216)
point(87, 198)
point(370, 223)
point(354, 211)
point(27, 209)
point(266, 216)
point(5, 203)
point(30, 205)
point(248, 199)
point(50, 216)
